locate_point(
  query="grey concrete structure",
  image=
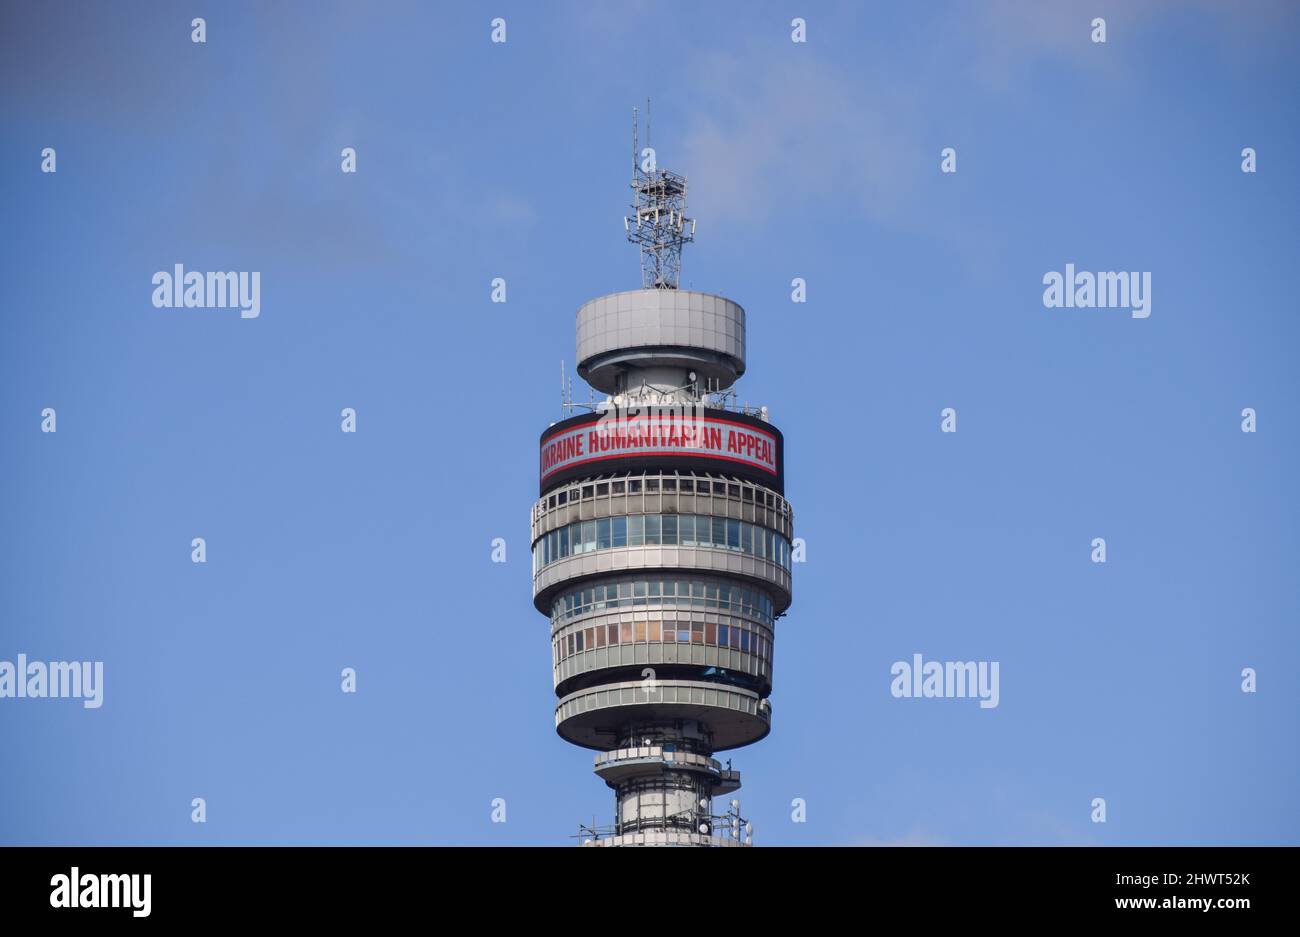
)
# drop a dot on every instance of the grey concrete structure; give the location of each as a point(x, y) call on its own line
point(662, 335)
point(662, 546)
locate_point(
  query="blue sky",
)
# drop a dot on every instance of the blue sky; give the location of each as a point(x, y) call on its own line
point(816, 160)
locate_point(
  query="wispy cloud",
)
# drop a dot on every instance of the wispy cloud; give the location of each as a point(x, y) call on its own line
point(800, 128)
point(769, 131)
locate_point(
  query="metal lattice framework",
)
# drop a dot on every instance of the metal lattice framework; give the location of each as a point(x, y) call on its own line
point(659, 225)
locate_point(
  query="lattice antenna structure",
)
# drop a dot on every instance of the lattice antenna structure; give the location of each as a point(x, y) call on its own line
point(658, 224)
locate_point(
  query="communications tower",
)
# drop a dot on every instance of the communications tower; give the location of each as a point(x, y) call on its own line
point(661, 543)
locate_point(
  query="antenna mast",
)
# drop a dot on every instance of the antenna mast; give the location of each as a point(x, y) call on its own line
point(659, 225)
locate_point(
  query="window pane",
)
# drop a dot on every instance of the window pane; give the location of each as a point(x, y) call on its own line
point(669, 532)
point(652, 529)
point(619, 532)
point(719, 532)
point(723, 635)
point(654, 631)
point(613, 634)
point(588, 536)
point(625, 632)
point(636, 530)
point(600, 636)
point(747, 539)
point(617, 487)
point(602, 534)
point(640, 631)
point(733, 535)
point(686, 530)
point(710, 633)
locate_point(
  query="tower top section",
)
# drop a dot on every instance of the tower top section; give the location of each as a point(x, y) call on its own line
point(654, 345)
point(658, 223)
